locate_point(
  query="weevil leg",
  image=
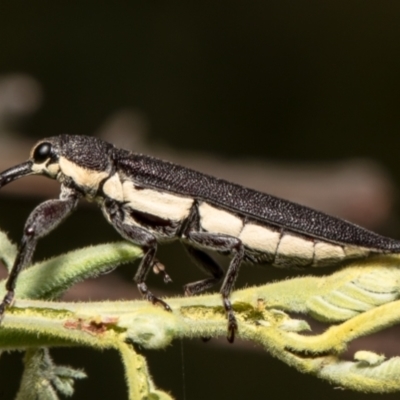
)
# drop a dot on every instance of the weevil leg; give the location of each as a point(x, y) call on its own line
point(199, 256)
point(142, 238)
point(42, 220)
point(225, 244)
point(207, 264)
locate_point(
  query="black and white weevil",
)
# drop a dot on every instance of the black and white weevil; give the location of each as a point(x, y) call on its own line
point(148, 200)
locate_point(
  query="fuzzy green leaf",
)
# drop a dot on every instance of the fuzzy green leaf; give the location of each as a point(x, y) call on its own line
point(42, 379)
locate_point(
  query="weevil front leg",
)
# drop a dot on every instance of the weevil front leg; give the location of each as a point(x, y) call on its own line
point(142, 238)
point(43, 219)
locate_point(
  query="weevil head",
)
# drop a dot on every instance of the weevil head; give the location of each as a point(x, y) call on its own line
point(66, 153)
point(79, 161)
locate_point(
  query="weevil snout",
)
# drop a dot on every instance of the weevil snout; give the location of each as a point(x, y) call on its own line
point(16, 172)
point(80, 161)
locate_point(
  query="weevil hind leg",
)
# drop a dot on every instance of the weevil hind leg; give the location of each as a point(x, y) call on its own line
point(142, 238)
point(42, 220)
point(234, 246)
point(207, 264)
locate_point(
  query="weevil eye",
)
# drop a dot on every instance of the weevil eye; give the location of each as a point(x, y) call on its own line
point(42, 152)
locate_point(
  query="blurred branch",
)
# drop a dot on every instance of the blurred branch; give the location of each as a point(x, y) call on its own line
point(20, 96)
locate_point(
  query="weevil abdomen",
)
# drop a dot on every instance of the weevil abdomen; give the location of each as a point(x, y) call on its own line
point(273, 245)
point(285, 249)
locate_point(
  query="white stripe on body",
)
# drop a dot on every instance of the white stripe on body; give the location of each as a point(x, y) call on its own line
point(112, 188)
point(215, 220)
point(354, 252)
point(327, 252)
point(260, 238)
point(88, 179)
point(296, 249)
point(160, 204)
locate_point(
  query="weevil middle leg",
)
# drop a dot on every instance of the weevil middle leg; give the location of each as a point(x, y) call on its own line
point(141, 237)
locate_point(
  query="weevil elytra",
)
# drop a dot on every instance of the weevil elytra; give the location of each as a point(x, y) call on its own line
point(148, 200)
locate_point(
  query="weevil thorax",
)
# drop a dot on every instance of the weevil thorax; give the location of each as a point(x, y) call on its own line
point(80, 162)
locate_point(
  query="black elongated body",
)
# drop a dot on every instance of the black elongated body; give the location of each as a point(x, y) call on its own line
point(148, 200)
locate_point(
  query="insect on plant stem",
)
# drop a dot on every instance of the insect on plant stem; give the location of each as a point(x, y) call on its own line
point(148, 201)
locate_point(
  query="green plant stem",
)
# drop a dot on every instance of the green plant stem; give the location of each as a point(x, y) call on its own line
point(359, 300)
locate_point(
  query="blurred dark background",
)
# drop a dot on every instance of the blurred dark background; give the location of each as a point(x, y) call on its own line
point(303, 95)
